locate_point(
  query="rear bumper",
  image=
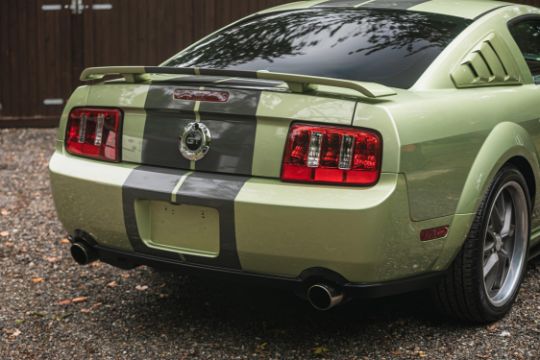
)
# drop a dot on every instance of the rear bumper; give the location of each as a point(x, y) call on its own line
point(298, 285)
point(266, 228)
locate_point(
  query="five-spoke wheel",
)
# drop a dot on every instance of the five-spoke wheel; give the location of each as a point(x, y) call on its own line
point(483, 282)
point(505, 243)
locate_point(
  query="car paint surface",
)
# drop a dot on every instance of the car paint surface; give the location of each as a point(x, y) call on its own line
point(442, 148)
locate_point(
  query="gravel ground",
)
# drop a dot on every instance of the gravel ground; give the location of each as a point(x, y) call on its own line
point(52, 309)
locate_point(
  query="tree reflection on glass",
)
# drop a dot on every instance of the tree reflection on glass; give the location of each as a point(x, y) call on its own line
point(358, 44)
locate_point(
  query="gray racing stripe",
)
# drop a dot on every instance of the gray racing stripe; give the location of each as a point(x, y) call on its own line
point(168, 71)
point(218, 192)
point(394, 4)
point(231, 73)
point(196, 81)
point(165, 121)
point(233, 126)
point(147, 183)
point(341, 3)
point(255, 83)
point(203, 80)
point(377, 4)
point(200, 189)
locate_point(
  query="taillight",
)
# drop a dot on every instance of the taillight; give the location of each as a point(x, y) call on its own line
point(201, 95)
point(94, 133)
point(333, 155)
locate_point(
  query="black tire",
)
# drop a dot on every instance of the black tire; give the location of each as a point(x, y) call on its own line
point(462, 293)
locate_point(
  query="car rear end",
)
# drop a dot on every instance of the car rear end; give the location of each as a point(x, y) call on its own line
point(298, 184)
point(119, 176)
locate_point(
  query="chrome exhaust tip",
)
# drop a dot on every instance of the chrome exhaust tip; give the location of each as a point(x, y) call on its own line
point(323, 297)
point(83, 254)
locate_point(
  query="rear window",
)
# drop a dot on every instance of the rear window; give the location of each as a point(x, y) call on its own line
point(389, 47)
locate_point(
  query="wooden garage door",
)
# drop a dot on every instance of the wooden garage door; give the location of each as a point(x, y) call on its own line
point(35, 58)
point(45, 44)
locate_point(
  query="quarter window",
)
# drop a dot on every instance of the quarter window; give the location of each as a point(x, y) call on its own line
point(527, 36)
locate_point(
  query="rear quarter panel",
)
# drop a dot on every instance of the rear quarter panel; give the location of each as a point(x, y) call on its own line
point(443, 133)
point(453, 142)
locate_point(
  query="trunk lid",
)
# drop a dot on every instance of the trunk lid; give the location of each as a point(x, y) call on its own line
point(248, 132)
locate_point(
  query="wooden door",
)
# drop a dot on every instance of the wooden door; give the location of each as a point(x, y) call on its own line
point(45, 44)
point(35, 58)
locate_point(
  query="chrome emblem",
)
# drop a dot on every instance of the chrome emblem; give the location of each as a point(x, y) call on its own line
point(195, 141)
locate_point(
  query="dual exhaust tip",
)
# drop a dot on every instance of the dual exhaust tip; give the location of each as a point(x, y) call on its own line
point(83, 254)
point(322, 297)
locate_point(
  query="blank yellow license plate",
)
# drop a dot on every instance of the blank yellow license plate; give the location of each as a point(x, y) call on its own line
point(185, 229)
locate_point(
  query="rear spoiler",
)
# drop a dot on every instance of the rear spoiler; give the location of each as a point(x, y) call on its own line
point(296, 83)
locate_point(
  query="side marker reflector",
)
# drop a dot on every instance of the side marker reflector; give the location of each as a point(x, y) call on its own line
point(435, 233)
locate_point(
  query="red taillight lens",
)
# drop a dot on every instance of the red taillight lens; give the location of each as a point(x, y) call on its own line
point(334, 155)
point(94, 133)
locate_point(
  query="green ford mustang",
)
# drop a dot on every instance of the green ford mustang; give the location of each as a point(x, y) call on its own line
point(340, 148)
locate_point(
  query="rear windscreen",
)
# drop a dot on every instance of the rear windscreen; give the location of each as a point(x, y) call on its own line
point(389, 47)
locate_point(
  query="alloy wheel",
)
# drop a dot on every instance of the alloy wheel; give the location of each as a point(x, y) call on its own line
point(505, 244)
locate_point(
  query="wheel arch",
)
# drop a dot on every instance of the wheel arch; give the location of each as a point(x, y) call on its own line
point(525, 168)
point(508, 143)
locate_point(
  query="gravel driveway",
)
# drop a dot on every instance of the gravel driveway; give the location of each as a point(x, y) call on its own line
point(51, 308)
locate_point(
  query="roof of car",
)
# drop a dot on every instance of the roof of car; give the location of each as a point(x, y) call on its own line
point(469, 9)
